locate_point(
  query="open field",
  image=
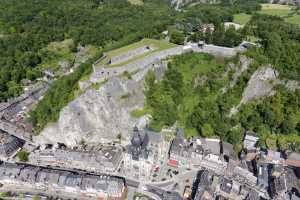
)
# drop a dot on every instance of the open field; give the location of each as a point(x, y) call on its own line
point(275, 9)
point(136, 2)
point(159, 45)
point(269, 6)
point(241, 18)
point(284, 11)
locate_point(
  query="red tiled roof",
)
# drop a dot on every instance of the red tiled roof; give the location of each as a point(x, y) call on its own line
point(173, 163)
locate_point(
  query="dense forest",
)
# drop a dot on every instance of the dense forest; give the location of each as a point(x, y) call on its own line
point(27, 26)
point(190, 96)
point(280, 43)
point(191, 22)
point(190, 93)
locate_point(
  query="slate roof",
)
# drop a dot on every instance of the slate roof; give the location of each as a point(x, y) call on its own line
point(250, 140)
point(183, 148)
point(28, 174)
point(252, 195)
point(61, 178)
point(228, 150)
point(9, 171)
point(179, 146)
point(139, 144)
point(154, 137)
point(73, 180)
point(107, 156)
point(263, 175)
point(9, 144)
point(48, 176)
point(226, 185)
point(280, 184)
point(294, 155)
point(202, 183)
point(171, 196)
point(212, 146)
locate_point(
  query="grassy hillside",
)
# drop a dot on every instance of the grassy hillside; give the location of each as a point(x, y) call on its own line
point(158, 45)
point(191, 95)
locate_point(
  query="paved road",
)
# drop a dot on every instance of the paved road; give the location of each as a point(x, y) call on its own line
point(215, 50)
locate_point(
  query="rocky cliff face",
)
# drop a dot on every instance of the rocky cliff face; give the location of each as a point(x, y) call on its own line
point(260, 85)
point(100, 115)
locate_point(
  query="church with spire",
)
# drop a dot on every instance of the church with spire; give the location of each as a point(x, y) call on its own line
point(139, 143)
point(144, 153)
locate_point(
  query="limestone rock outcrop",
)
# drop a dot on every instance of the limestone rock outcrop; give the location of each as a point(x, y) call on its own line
point(100, 115)
point(260, 85)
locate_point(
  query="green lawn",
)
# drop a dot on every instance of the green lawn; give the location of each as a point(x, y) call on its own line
point(159, 45)
point(241, 18)
point(136, 2)
point(294, 19)
point(269, 6)
point(284, 11)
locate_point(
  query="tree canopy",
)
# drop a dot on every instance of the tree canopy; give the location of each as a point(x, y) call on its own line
point(27, 26)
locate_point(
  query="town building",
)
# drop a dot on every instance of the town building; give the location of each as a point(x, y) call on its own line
point(252, 195)
point(139, 143)
point(211, 146)
point(13, 118)
point(214, 163)
point(227, 151)
point(144, 155)
point(293, 160)
point(54, 181)
point(263, 175)
point(179, 153)
point(171, 196)
point(196, 151)
point(106, 159)
point(250, 140)
point(187, 153)
point(9, 145)
point(244, 176)
point(202, 186)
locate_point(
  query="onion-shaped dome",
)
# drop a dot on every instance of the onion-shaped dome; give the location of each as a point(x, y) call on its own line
point(136, 139)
